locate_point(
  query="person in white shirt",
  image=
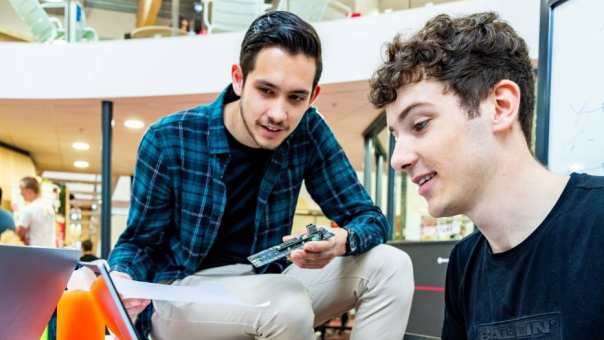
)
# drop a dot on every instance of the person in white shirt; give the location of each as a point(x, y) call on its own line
point(35, 224)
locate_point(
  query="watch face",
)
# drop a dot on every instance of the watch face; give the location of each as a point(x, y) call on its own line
point(353, 244)
point(352, 241)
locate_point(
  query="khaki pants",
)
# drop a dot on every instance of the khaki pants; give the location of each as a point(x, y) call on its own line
point(378, 283)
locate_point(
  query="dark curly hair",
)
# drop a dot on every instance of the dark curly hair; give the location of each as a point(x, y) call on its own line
point(469, 55)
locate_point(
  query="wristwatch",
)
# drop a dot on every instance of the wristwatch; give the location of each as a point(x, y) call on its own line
point(352, 242)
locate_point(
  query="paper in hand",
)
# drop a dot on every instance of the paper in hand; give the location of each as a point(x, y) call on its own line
point(206, 293)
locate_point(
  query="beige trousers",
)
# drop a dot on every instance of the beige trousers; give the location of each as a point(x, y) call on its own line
point(378, 283)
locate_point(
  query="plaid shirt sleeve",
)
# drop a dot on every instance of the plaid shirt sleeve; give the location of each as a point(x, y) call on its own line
point(150, 212)
point(333, 184)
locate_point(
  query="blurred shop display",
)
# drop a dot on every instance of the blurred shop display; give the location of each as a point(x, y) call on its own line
point(48, 29)
point(74, 227)
point(445, 228)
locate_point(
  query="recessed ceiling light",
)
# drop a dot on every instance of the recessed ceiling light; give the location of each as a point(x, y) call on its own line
point(81, 164)
point(134, 124)
point(80, 146)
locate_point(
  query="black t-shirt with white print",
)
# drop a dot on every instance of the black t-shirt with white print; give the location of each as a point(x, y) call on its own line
point(549, 287)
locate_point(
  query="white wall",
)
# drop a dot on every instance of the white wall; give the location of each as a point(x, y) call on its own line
point(186, 65)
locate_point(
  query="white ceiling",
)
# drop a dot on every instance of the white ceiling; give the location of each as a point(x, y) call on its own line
point(48, 128)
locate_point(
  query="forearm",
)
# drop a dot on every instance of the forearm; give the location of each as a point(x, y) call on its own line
point(131, 259)
point(23, 232)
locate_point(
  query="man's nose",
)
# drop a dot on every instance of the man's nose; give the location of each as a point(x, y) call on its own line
point(403, 156)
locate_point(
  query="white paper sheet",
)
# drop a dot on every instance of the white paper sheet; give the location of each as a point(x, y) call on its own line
point(206, 293)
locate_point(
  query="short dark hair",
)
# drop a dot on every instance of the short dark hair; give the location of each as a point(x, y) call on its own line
point(87, 245)
point(469, 55)
point(280, 29)
point(31, 184)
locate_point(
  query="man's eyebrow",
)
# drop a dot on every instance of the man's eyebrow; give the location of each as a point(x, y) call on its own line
point(265, 83)
point(298, 92)
point(404, 113)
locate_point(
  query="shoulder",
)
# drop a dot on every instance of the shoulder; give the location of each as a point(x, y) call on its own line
point(170, 132)
point(583, 194)
point(465, 250)
point(191, 118)
point(588, 182)
point(4, 214)
point(313, 127)
point(314, 119)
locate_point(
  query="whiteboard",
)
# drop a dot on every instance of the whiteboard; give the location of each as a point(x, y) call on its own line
point(576, 97)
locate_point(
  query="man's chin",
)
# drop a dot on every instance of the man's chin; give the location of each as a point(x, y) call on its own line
point(268, 144)
point(438, 211)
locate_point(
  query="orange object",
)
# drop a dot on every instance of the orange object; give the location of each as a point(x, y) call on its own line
point(78, 317)
point(108, 309)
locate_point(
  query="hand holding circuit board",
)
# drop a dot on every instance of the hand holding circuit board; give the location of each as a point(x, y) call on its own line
point(313, 233)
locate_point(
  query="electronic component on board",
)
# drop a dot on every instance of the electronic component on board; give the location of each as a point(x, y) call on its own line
point(313, 233)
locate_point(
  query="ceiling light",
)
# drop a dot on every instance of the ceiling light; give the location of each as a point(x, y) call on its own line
point(134, 124)
point(82, 146)
point(576, 167)
point(81, 164)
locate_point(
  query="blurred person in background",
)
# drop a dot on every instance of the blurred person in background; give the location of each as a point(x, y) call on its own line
point(88, 254)
point(35, 225)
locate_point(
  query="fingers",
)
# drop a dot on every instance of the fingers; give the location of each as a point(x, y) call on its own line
point(120, 275)
point(304, 259)
point(135, 306)
point(314, 254)
point(319, 246)
point(289, 237)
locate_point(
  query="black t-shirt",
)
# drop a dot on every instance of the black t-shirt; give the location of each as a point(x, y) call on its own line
point(242, 178)
point(550, 286)
point(88, 258)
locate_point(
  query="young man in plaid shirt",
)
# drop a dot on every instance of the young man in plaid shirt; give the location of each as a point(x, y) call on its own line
point(220, 182)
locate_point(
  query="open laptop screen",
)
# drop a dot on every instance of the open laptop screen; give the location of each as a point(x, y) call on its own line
point(32, 280)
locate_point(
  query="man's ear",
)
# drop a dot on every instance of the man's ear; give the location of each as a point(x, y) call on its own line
point(506, 97)
point(237, 79)
point(315, 94)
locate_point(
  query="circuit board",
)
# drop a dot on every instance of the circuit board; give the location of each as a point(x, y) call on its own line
point(313, 233)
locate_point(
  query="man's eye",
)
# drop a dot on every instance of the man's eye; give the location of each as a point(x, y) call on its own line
point(266, 90)
point(297, 98)
point(419, 126)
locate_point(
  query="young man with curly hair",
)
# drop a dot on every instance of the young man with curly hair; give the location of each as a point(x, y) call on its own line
point(459, 98)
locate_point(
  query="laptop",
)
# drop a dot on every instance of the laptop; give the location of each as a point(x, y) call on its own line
point(32, 280)
point(105, 293)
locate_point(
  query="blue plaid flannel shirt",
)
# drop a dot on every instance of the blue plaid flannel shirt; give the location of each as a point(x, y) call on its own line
point(178, 196)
